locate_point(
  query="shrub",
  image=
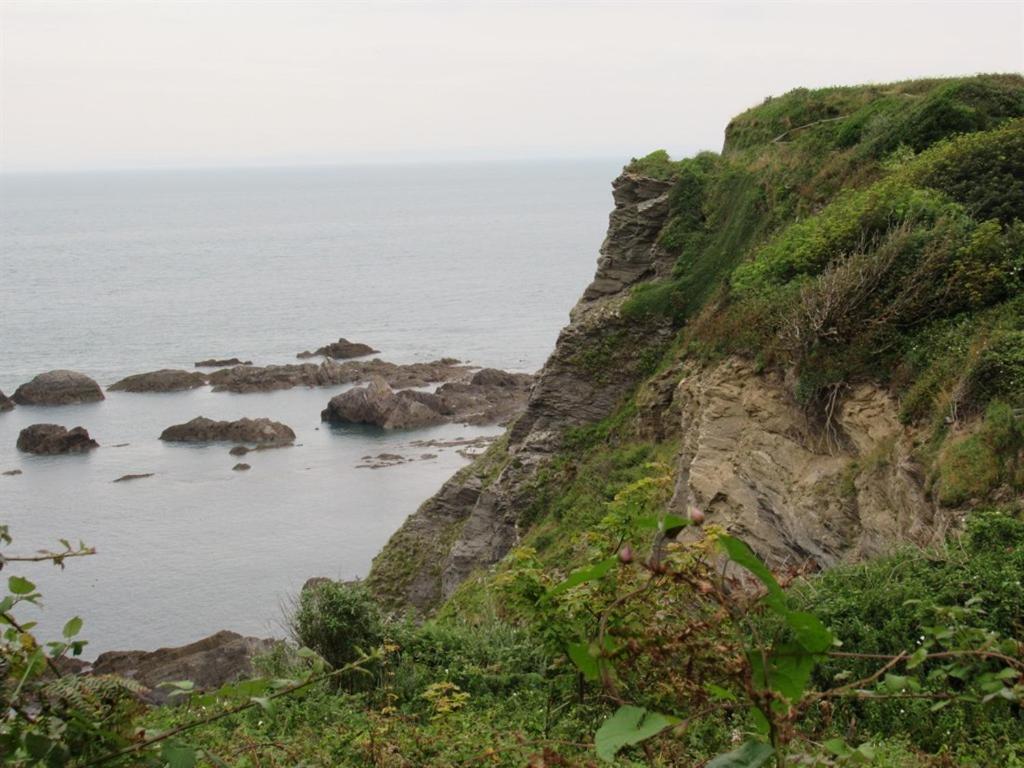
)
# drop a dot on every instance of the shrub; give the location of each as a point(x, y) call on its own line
point(338, 621)
point(974, 466)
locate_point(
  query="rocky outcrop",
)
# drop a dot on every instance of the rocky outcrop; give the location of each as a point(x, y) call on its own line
point(794, 491)
point(204, 430)
point(165, 380)
point(214, 363)
point(58, 388)
point(53, 439)
point(209, 663)
point(329, 373)
point(6, 404)
point(489, 397)
point(598, 359)
point(342, 349)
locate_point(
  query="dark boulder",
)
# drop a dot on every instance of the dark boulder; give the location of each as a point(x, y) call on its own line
point(213, 363)
point(6, 403)
point(166, 380)
point(58, 388)
point(52, 439)
point(204, 430)
point(342, 349)
point(378, 405)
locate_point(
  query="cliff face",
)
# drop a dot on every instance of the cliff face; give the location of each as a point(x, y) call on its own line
point(599, 357)
point(822, 327)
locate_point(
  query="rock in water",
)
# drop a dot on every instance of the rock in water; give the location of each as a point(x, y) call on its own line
point(342, 349)
point(204, 430)
point(51, 439)
point(126, 478)
point(241, 467)
point(6, 403)
point(377, 404)
point(212, 363)
point(209, 663)
point(166, 380)
point(58, 388)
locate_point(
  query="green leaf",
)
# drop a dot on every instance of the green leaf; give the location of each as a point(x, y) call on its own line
point(837, 747)
point(178, 756)
point(718, 692)
point(587, 664)
point(750, 755)
point(789, 670)
point(629, 725)
point(743, 555)
point(917, 657)
point(266, 703)
point(589, 573)
point(20, 586)
point(73, 627)
point(809, 631)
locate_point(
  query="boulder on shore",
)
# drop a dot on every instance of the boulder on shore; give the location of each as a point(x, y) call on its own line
point(213, 363)
point(58, 388)
point(204, 430)
point(164, 380)
point(342, 349)
point(221, 658)
point(6, 403)
point(52, 439)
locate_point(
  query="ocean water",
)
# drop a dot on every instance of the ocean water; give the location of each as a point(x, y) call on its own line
point(118, 273)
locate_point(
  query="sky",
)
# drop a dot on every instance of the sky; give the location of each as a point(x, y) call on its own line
point(128, 84)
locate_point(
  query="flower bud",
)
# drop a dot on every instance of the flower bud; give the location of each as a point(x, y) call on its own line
point(696, 516)
point(626, 554)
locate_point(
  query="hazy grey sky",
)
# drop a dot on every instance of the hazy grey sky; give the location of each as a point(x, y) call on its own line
point(151, 84)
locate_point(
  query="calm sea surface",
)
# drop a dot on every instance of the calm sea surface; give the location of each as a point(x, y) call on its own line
point(119, 273)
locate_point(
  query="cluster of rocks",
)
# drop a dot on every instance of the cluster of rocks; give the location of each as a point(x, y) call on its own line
point(488, 397)
point(52, 439)
point(342, 349)
point(204, 430)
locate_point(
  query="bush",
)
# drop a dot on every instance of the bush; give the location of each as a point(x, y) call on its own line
point(974, 466)
point(338, 621)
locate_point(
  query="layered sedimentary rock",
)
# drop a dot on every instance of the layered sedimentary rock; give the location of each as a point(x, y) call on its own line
point(58, 387)
point(204, 430)
point(53, 439)
point(471, 522)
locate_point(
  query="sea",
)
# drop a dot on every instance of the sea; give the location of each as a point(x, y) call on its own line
point(117, 273)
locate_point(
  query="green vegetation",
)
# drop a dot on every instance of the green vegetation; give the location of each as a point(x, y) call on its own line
point(843, 235)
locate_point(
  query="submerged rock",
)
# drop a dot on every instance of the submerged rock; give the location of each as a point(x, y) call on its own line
point(11, 472)
point(58, 388)
point(209, 663)
point(342, 349)
point(213, 363)
point(52, 439)
point(126, 478)
point(204, 430)
point(6, 403)
point(165, 380)
point(241, 467)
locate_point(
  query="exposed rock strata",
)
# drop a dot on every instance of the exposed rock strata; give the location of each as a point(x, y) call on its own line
point(342, 349)
point(204, 430)
point(490, 396)
point(329, 373)
point(53, 439)
point(165, 380)
point(59, 387)
point(599, 357)
point(209, 663)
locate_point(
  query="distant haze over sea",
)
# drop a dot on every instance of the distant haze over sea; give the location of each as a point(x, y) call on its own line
point(118, 273)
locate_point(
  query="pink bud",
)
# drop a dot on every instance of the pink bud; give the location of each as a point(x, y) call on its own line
point(696, 516)
point(626, 554)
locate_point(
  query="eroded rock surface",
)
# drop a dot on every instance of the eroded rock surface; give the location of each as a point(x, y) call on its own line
point(209, 663)
point(165, 380)
point(342, 349)
point(204, 430)
point(598, 359)
point(269, 378)
point(53, 439)
point(59, 387)
point(489, 397)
